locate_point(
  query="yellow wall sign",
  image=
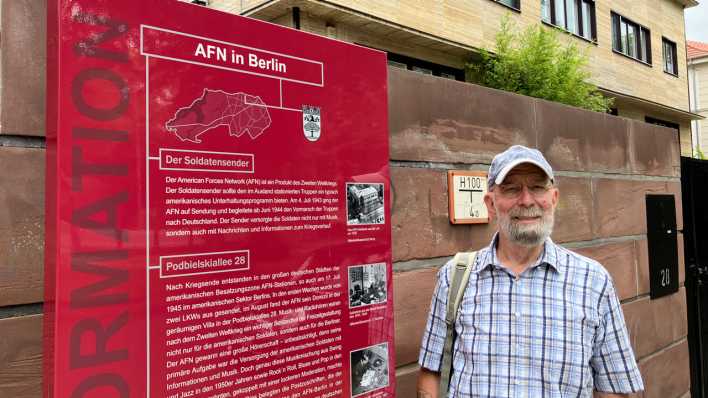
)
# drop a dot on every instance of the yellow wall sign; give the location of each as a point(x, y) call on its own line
point(466, 191)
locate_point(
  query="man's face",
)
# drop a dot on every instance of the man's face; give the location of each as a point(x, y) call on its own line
point(523, 205)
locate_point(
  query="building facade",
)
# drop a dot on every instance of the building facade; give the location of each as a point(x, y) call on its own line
point(697, 54)
point(605, 165)
point(636, 49)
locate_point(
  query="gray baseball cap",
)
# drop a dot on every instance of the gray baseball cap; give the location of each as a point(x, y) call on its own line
point(512, 157)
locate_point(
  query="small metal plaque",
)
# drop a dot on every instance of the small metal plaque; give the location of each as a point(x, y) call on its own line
point(663, 249)
point(466, 191)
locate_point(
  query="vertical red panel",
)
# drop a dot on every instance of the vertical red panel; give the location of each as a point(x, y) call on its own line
point(50, 212)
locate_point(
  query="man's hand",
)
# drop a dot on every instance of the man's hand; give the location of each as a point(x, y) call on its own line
point(428, 384)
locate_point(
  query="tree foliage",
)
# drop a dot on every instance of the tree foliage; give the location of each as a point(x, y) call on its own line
point(533, 62)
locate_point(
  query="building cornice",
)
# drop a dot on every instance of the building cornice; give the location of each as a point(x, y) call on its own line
point(697, 60)
point(677, 113)
point(305, 4)
point(687, 3)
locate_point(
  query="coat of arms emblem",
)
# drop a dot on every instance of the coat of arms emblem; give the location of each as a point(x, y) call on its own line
point(311, 122)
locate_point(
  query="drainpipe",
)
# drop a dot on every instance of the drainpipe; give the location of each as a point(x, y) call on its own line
point(688, 88)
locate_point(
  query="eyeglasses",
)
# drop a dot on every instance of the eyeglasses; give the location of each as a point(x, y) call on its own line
point(514, 191)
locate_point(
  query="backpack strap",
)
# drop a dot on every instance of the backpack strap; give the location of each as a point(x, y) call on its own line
point(459, 275)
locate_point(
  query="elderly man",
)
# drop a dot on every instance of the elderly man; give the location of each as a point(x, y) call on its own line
point(536, 320)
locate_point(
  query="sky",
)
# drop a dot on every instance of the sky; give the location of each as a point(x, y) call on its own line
point(696, 22)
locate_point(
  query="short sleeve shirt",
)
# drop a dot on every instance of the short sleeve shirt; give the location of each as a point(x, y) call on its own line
point(555, 331)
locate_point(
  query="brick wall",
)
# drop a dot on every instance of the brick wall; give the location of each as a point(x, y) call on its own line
point(605, 166)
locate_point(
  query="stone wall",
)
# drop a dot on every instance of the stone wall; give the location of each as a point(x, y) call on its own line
point(605, 166)
point(22, 88)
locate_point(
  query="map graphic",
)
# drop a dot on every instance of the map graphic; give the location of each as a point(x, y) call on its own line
point(241, 112)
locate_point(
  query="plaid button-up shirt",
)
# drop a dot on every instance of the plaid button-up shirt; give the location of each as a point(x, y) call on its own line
point(556, 331)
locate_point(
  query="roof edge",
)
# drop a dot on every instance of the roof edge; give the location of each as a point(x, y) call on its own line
point(697, 60)
point(696, 49)
point(687, 3)
point(682, 114)
point(253, 11)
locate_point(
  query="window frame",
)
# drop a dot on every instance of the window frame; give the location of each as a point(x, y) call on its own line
point(617, 22)
point(579, 21)
point(663, 123)
point(412, 64)
point(674, 54)
point(516, 7)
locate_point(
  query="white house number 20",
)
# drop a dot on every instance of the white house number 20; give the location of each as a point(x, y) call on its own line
point(665, 277)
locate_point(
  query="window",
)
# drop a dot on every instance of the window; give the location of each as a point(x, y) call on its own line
point(669, 52)
point(515, 4)
point(631, 39)
point(664, 123)
point(422, 70)
point(575, 16)
point(397, 64)
point(425, 67)
point(546, 10)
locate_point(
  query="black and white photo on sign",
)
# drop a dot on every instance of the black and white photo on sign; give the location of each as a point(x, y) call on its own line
point(369, 368)
point(365, 204)
point(367, 284)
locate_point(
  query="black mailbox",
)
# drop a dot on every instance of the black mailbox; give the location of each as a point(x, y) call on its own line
point(663, 250)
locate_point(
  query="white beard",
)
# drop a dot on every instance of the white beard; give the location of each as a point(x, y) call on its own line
point(526, 235)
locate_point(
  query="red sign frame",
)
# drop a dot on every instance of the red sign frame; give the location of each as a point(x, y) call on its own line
point(218, 207)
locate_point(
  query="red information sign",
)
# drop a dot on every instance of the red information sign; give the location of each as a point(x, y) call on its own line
point(217, 207)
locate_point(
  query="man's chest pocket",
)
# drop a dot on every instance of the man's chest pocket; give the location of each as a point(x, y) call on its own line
point(567, 336)
point(564, 330)
point(477, 324)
